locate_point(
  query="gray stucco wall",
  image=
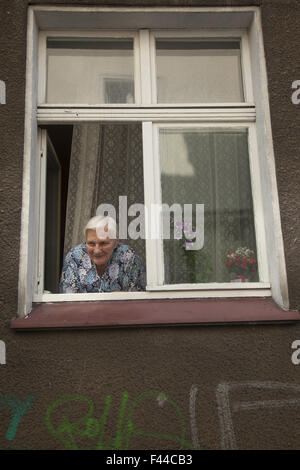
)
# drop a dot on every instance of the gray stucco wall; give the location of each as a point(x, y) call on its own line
point(174, 381)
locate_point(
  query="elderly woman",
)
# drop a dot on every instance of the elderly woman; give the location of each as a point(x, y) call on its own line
point(102, 264)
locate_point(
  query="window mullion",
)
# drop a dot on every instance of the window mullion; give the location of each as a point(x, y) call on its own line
point(137, 69)
point(157, 188)
point(152, 220)
point(145, 64)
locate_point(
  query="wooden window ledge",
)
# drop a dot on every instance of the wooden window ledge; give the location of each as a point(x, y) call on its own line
point(153, 313)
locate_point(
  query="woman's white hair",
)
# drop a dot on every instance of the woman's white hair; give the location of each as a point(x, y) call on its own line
point(104, 225)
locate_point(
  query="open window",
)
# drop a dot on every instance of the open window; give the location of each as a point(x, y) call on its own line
point(173, 119)
point(96, 163)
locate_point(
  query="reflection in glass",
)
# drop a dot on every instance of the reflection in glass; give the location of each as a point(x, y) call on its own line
point(90, 70)
point(193, 70)
point(210, 167)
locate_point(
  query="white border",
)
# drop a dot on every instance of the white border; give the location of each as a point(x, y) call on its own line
point(28, 245)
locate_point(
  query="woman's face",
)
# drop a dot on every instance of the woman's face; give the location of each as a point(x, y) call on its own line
point(99, 249)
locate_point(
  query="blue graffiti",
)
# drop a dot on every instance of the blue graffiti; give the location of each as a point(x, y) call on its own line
point(18, 408)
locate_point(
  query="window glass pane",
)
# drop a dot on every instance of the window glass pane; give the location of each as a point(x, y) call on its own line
point(90, 70)
point(198, 71)
point(210, 167)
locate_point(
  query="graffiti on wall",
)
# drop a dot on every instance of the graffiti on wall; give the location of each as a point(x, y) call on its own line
point(18, 410)
point(71, 431)
point(89, 426)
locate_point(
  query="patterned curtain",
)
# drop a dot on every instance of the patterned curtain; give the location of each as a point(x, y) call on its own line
point(106, 162)
point(219, 178)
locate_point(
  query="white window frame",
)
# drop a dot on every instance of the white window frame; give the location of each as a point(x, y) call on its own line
point(273, 281)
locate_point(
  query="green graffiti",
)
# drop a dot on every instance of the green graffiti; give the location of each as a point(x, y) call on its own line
point(118, 439)
point(19, 408)
point(105, 414)
point(67, 431)
point(92, 428)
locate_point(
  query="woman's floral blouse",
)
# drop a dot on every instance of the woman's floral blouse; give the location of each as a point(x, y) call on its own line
point(125, 271)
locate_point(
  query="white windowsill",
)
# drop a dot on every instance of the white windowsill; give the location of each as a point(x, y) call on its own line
point(211, 286)
point(237, 290)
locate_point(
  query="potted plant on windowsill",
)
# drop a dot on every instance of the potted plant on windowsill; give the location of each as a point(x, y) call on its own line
point(242, 264)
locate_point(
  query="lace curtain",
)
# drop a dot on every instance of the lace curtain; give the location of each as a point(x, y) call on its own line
point(106, 162)
point(211, 168)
